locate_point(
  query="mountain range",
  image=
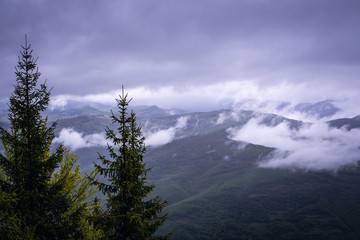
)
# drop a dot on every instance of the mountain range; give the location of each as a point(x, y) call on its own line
point(225, 180)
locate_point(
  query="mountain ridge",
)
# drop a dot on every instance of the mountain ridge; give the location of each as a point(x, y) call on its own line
point(216, 186)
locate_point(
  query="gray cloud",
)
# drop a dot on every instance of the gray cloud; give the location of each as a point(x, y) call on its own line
point(92, 47)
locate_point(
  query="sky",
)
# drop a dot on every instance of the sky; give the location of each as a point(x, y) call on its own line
point(196, 55)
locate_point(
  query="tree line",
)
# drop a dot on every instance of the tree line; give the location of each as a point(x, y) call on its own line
point(43, 194)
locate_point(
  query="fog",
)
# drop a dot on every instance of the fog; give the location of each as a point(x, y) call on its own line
point(75, 140)
point(314, 146)
point(237, 95)
point(164, 136)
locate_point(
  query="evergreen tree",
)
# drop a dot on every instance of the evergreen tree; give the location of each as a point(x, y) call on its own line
point(130, 213)
point(79, 190)
point(35, 203)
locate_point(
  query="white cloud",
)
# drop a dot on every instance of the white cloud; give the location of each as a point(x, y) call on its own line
point(232, 116)
point(312, 147)
point(181, 122)
point(58, 102)
point(222, 118)
point(160, 137)
point(75, 140)
point(164, 136)
point(236, 94)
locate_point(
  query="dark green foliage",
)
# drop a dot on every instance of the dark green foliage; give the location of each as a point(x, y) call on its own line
point(216, 190)
point(35, 203)
point(213, 198)
point(130, 214)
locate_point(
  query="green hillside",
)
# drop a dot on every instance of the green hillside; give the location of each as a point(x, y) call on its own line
point(217, 191)
point(86, 123)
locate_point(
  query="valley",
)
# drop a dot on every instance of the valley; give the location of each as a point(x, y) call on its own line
point(214, 183)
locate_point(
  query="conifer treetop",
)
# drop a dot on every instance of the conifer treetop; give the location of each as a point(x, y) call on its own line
point(131, 213)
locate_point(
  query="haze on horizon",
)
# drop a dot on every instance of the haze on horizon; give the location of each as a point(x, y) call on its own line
point(188, 54)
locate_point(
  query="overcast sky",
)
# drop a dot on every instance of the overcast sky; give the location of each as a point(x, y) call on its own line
point(185, 52)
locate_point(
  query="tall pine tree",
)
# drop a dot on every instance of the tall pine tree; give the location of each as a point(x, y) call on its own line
point(131, 213)
point(35, 202)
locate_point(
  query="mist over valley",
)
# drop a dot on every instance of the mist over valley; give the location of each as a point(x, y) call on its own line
point(231, 173)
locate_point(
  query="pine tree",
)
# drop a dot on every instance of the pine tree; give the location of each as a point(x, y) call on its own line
point(79, 190)
point(130, 213)
point(35, 203)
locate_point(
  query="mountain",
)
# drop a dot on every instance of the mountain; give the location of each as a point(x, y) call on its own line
point(215, 187)
point(216, 191)
point(318, 110)
point(321, 109)
point(348, 123)
point(74, 109)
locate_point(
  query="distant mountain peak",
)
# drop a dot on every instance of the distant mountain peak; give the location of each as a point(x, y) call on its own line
point(321, 109)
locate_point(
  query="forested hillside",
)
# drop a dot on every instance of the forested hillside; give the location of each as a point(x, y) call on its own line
point(216, 189)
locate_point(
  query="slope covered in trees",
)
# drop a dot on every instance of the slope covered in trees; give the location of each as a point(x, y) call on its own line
point(216, 189)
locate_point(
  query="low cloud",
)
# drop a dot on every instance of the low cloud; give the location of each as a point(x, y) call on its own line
point(223, 117)
point(164, 136)
point(237, 116)
point(312, 147)
point(280, 98)
point(75, 140)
